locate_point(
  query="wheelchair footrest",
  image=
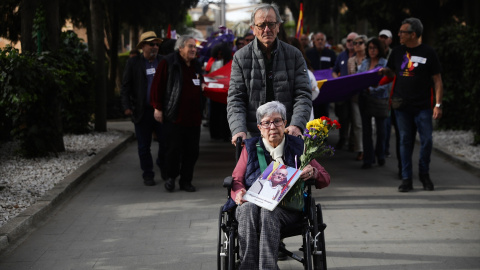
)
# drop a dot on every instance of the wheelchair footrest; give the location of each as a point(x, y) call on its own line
point(289, 253)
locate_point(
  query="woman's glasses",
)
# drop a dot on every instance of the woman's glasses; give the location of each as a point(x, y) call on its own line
point(277, 122)
point(358, 43)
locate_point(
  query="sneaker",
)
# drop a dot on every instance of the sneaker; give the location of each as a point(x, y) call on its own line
point(170, 184)
point(406, 185)
point(187, 187)
point(148, 181)
point(427, 183)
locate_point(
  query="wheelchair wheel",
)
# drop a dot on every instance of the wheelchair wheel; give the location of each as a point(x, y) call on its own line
point(320, 259)
point(307, 250)
point(222, 248)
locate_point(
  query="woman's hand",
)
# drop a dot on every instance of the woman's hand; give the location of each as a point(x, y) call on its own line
point(158, 115)
point(307, 173)
point(239, 197)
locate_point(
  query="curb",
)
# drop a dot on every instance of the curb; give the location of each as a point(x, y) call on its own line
point(459, 161)
point(19, 226)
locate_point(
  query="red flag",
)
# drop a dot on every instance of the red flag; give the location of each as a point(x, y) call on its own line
point(300, 23)
point(169, 31)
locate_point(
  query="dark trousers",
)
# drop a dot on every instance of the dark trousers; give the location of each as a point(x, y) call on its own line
point(143, 131)
point(182, 148)
point(343, 112)
point(371, 151)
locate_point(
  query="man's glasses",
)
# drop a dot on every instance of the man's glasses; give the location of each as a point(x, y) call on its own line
point(270, 25)
point(404, 32)
point(277, 122)
point(349, 40)
point(248, 39)
point(151, 44)
point(358, 42)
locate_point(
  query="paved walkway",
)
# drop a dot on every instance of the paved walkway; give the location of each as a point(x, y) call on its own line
point(115, 222)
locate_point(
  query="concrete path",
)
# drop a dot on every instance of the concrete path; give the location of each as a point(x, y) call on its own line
point(115, 222)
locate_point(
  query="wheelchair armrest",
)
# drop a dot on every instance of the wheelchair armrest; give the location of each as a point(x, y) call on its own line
point(227, 182)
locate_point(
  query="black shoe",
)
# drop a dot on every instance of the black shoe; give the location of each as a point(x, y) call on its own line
point(427, 183)
point(381, 162)
point(406, 185)
point(148, 181)
point(187, 187)
point(170, 184)
point(366, 166)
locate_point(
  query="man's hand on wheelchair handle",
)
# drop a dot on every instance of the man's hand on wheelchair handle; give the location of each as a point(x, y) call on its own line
point(240, 134)
point(294, 131)
point(239, 197)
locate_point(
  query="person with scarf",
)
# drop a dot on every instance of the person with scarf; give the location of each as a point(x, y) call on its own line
point(262, 252)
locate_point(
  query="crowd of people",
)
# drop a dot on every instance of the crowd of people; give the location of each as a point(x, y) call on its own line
point(271, 94)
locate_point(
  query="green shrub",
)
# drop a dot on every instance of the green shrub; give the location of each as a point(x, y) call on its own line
point(34, 87)
point(459, 54)
point(77, 85)
point(27, 85)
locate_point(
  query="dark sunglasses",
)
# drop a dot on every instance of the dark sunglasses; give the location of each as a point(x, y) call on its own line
point(151, 44)
point(270, 25)
point(358, 42)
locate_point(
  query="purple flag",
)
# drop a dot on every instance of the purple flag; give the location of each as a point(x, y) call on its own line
point(341, 88)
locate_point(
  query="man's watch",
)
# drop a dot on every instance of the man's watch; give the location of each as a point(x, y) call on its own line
point(439, 105)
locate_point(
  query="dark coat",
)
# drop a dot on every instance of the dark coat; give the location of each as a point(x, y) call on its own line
point(134, 86)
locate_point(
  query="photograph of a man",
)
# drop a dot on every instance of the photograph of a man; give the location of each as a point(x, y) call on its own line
point(273, 186)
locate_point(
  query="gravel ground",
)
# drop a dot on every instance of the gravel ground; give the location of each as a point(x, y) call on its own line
point(24, 181)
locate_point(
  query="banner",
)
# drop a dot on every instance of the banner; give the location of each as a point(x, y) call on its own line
point(331, 89)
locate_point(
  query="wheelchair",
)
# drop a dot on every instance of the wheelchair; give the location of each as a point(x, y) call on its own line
point(311, 228)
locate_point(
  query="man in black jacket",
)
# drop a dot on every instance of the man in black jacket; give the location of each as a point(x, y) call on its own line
point(136, 83)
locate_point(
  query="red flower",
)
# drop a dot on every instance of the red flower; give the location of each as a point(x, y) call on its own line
point(337, 124)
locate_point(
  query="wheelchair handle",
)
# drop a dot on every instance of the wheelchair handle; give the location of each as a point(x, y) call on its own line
point(238, 148)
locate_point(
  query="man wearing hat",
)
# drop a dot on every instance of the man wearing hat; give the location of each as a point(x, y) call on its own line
point(136, 83)
point(386, 36)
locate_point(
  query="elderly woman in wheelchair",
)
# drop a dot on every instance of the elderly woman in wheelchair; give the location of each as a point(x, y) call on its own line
point(259, 229)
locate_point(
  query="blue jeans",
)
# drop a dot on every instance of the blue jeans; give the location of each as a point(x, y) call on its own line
point(143, 131)
point(407, 119)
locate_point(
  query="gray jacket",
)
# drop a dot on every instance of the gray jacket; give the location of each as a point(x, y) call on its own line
point(247, 89)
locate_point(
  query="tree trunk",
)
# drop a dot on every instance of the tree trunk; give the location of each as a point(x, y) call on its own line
point(134, 35)
point(99, 58)
point(114, 27)
point(53, 43)
point(27, 13)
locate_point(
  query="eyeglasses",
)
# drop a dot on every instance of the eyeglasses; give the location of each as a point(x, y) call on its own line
point(372, 48)
point(248, 40)
point(404, 32)
point(358, 42)
point(277, 122)
point(153, 44)
point(270, 25)
point(349, 40)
